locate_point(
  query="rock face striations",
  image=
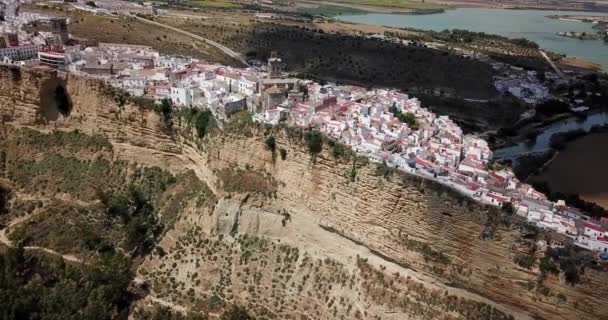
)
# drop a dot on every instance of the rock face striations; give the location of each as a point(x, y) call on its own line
point(298, 236)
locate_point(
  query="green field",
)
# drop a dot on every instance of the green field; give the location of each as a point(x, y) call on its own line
point(214, 4)
point(417, 5)
point(330, 11)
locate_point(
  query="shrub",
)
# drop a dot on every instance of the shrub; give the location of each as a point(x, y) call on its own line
point(4, 193)
point(547, 265)
point(314, 140)
point(508, 207)
point(525, 261)
point(283, 153)
point(203, 121)
point(165, 109)
point(271, 144)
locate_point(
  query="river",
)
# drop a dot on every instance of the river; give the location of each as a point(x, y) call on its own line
point(530, 24)
point(543, 140)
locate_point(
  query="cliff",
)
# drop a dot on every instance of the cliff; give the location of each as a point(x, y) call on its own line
point(385, 244)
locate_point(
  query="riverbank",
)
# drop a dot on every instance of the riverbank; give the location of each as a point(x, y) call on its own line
point(580, 35)
point(532, 25)
point(541, 141)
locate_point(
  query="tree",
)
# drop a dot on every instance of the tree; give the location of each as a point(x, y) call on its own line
point(203, 121)
point(271, 144)
point(165, 109)
point(4, 194)
point(508, 207)
point(235, 313)
point(314, 140)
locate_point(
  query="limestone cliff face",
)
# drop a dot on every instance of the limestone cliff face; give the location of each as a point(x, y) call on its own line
point(405, 221)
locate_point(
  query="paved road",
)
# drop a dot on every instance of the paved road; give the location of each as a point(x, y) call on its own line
point(223, 48)
point(557, 70)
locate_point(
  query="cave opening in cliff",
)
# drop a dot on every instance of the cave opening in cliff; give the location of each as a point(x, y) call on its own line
point(62, 100)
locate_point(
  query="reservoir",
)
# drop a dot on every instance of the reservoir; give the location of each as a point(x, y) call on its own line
point(530, 24)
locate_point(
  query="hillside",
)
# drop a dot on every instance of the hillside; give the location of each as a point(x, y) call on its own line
point(218, 226)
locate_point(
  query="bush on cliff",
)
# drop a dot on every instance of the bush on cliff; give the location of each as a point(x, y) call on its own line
point(314, 141)
point(203, 121)
point(4, 193)
point(165, 109)
point(271, 144)
point(43, 287)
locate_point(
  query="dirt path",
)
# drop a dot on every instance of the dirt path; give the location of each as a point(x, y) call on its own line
point(557, 70)
point(5, 240)
point(221, 47)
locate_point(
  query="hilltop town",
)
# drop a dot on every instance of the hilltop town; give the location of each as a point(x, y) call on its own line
point(391, 128)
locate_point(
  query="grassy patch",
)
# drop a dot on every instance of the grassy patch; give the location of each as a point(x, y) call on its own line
point(43, 287)
point(69, 228)
point(214, 4)
point(393, 3)
point(70, 141)
point(330, 11)
point(248, 180)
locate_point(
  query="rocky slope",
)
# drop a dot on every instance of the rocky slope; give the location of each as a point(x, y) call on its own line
point(332, 238)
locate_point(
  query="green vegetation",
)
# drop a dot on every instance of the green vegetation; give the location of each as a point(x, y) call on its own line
point(458, 35)
point(165, 109)
point(508, 208)
point(271, 145)
point(525, 260)
point(547, 266)
point(330, 11)
point(202, 120)
point(213, 4)
point(348, 58)
point(71, 141)
point(283, 153)
point(428, 253)
point(41, 287)
point(134, 209)
point(407, 4)
point(4, 197)
point(401, 293)
point(571, 261)
point(70, 228)
point(338, 149)
point(314, 141)
point(408, 118)
point(137, 203)
point(164, 313)
point(144, 102)
point(247, 180)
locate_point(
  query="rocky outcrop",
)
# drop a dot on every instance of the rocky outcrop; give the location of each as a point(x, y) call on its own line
point(414, 226)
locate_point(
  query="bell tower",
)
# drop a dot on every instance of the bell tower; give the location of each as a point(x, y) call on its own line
point(274, 65)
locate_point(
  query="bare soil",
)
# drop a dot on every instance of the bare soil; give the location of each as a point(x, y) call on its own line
point(581, 169)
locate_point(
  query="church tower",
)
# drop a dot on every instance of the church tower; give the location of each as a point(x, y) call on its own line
point(274, 65)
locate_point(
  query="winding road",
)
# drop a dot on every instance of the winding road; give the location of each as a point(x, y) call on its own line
point(221, 47)
point(5, 240)
point(557, 70)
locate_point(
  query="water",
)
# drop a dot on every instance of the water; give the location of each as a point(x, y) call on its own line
point(530, 24)
point(543, 140)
